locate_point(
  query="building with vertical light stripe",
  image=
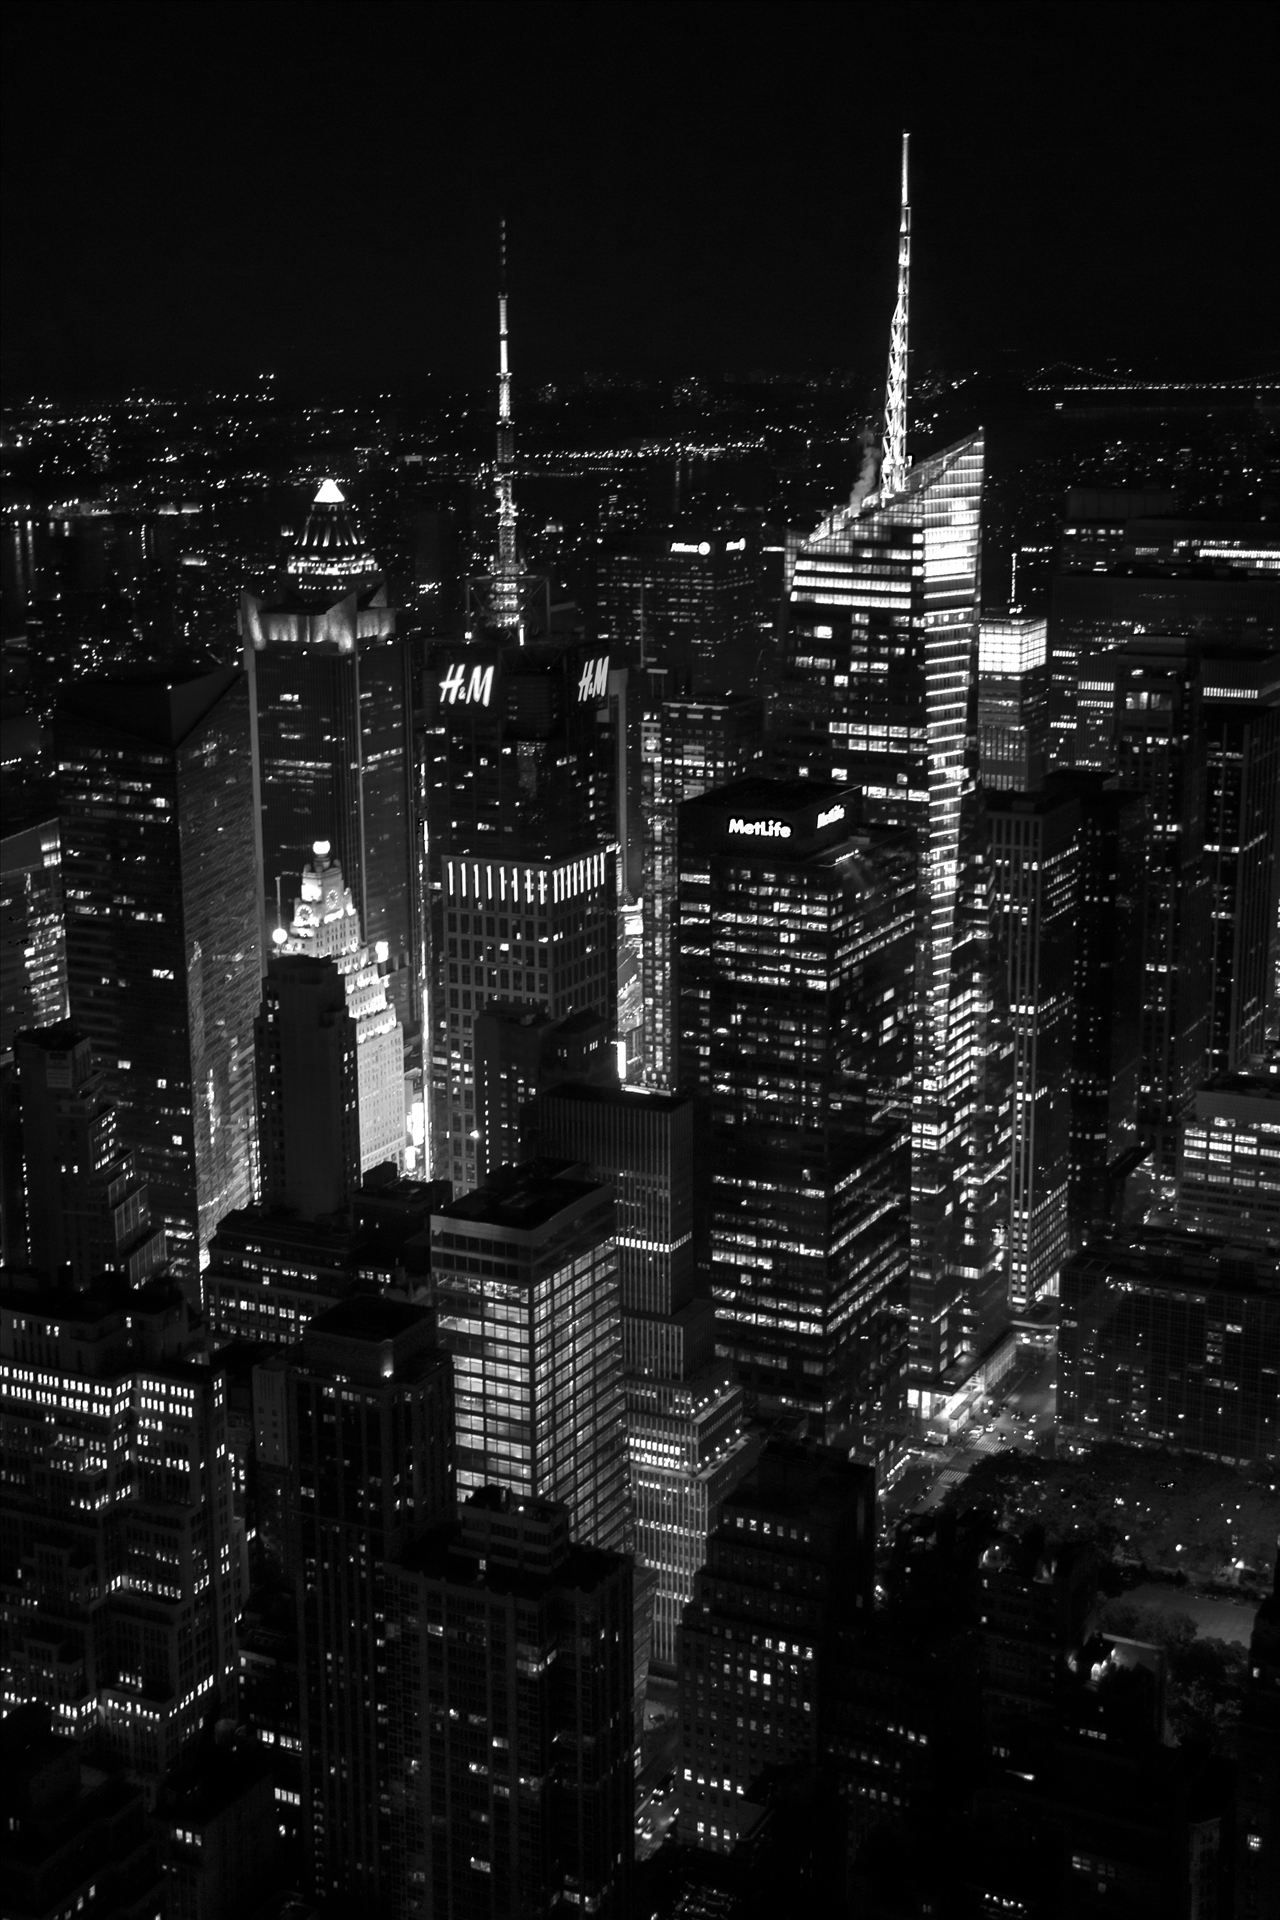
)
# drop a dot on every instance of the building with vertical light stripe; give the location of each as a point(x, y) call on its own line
point(1035, 865)
point(880, 662)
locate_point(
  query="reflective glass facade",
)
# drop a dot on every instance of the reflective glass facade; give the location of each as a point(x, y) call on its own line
point(164, 963)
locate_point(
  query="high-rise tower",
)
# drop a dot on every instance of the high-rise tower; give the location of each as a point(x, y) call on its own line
point(163, 959)
point(880, 660)
point(329, 679)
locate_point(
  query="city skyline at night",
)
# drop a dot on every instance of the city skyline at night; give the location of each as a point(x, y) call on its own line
point(639, 964)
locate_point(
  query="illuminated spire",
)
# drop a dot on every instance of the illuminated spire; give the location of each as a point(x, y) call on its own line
point(893, 473)
point(506, 565)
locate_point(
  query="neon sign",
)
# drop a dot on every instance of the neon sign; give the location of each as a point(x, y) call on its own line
point(831, 815)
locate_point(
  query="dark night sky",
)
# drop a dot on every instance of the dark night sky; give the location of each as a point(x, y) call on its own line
point(194, 191)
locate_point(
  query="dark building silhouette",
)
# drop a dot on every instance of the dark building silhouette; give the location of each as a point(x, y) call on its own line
point(88, 1212)
point(220, 1844)
point(163, 953)
point(77, 1838)
point(125, 1565)
point(368, 1445)
point(1257, 1821)
point(1167, 1339)
point(509, 1669)
point(788, 1567)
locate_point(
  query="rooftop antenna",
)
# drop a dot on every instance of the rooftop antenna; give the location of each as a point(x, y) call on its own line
point(893, 472)
point(506, 565)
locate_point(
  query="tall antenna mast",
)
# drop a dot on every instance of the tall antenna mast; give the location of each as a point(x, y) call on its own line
point(506, 565)
point(893, 472)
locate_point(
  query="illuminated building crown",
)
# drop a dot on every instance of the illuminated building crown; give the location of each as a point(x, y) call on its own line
point(329, 552)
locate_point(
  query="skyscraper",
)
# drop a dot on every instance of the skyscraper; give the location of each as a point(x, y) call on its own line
point(879, 659)
point(789, 1566)
point(520, 865)
point(1013, 702)
point(686, 1445)
point(33, 948)
point(332, 735)
point(525, 1277)
point(326, 926)
point(125, 1567)
point(88, 1213)
point(794, 971)
point(1035, 865)
point(368, 1455)
point(690, 745)
point(509, 1672)
point(163, 952)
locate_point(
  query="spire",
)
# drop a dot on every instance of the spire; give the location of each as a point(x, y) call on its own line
point(506, 565)
point(893, 476)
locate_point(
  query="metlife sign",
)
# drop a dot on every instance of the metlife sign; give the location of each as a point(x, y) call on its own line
point(759, 829)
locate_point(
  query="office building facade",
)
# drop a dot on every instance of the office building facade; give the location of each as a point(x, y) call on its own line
point(163, 951)
point(368, 1457)
point(519, 863)
point(524, 1273)
point(509, 1673)
point(879, 665)
point(332, 736)
point(793, 971)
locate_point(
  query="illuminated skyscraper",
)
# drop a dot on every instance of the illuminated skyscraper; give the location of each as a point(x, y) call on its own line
point(332, 758)
point(326, 926)
point(1013, 702)
point(1035, 893)
point(33, 948)
point(525, 1276)
point(793, 967)
point(163, 957)
point(685, 1439)
point(520, 864)
point(689, 745)
point(880, 660)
